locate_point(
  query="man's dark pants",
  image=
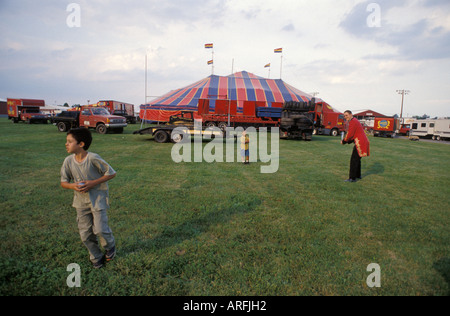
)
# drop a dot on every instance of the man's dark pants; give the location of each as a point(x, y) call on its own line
point(355, 165)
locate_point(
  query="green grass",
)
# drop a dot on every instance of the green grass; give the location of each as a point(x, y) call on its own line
point(225, 228)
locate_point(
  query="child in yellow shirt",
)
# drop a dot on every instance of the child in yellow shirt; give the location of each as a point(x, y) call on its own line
point(245, 152)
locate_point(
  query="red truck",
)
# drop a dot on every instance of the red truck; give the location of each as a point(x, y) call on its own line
point(26, 110)
point(295, 119)
point(120, 108)
point(90, 117)
point(385, 127)
point(328, 121)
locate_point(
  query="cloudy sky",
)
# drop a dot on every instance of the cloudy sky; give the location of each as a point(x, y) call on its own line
point(355, 53)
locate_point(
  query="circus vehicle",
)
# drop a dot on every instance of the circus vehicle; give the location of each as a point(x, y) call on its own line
point(26, 110)
point(294, 120)
point(385, 127)
point(90, 117)
point(120, 108)
point(328, 120)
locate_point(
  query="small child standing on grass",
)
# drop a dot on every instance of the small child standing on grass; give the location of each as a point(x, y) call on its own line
point(87, 174)
point(245, 152)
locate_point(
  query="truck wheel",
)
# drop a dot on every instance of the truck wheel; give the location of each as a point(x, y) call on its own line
point(211, 124)
point(62, 127)
point(223, 126)
point(161, 137)
point(101, 129)
point(179, 138)
point(334, 132)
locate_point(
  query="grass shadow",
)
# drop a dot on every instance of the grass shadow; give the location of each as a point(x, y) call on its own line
point(443, 267)
point(376, 168)
point(325, 138)
point(190, 229)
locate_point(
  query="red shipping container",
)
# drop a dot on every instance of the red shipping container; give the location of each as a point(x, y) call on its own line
point(233, 107)
point(221, 107)
point(277, 104)
point(249, 108)
point(203, 106)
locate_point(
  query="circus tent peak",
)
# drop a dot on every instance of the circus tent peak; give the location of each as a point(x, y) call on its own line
point(241, 86)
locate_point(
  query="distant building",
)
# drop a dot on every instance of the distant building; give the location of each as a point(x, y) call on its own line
point(368, 115)
point(3, 108)
point(367, 118)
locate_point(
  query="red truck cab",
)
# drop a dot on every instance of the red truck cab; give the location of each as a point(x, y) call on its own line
point(405, 129)
point(328, 121)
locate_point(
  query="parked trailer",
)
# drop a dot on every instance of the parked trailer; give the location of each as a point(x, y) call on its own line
point(385, 127)
point(437, 129)
point(442, 130)
point(226, 114)
point(422, 128)
point(185, 119)
point(294, 119)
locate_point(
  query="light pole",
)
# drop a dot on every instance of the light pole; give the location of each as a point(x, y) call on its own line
point(403, 93)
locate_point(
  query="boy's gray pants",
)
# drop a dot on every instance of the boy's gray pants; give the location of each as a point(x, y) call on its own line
point(92, 224)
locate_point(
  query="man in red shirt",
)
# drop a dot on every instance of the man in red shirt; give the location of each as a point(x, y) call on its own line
point(356, 134)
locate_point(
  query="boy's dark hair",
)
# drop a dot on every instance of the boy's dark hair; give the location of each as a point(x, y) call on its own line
point(349, 112)
point(82, 135)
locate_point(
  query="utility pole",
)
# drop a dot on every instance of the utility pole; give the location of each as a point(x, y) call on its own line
point(146, 65)
point(403, 93)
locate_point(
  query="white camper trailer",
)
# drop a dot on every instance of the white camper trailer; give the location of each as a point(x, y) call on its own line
point(441, 130)
point(438, 129)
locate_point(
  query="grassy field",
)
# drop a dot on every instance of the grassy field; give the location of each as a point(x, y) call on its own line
point(225, 228)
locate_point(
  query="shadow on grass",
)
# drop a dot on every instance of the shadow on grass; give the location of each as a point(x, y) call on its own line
point(443, 267)
point(376, 168)
point(194, 227)
point(326, 138)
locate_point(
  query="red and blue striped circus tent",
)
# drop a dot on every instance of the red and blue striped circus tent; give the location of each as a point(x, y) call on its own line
point(240, 87)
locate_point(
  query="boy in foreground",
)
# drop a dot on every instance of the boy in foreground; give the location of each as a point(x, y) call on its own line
point(87, 175)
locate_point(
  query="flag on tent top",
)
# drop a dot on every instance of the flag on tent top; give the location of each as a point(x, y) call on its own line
point(209, 46)
point(210, 62)
point(278, 50)
point(267, 66)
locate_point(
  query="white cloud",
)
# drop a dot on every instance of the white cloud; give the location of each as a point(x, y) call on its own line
point(327, 48)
